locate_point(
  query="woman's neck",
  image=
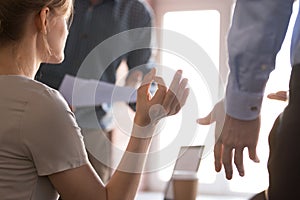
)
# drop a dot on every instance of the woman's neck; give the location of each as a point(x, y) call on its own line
point(18, 60)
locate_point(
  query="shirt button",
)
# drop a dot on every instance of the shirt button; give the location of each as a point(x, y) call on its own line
point(253, 108)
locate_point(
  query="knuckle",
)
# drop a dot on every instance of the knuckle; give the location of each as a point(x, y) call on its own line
point(226, 162)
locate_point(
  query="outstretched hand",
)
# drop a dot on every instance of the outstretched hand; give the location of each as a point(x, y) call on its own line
point(165, 102)
point(231, 137)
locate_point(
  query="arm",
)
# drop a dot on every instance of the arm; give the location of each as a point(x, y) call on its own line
point(125, 181)
point(255, 37)
point(254, 40)
point(257, 32)
point(139, 61)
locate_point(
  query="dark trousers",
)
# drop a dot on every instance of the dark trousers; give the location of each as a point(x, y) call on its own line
point(284, 141)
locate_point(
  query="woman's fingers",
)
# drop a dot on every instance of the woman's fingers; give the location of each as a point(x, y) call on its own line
point(171, 94)
point(184, 96)
point(161, 91)
point(176, 80)
point(165, 101)
point(145, 85)
point(180, 97)
point(157, 111)
point(181, 89)
point(176, 95)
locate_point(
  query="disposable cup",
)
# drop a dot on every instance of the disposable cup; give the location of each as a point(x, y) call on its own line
point(185, 185)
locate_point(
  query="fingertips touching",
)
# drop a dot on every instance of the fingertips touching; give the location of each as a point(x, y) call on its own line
point(149, 77)
point(145, 84)
point(161, 91)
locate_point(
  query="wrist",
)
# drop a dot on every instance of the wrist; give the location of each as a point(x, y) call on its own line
point(143, 132)
point(141, 121)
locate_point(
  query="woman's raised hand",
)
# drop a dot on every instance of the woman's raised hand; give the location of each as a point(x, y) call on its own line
point(165, 102)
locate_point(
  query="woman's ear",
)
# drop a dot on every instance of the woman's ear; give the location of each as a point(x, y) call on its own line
point(42, 20)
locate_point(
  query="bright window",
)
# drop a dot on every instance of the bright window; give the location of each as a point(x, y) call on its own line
point(206, 34)
point(205, 26)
